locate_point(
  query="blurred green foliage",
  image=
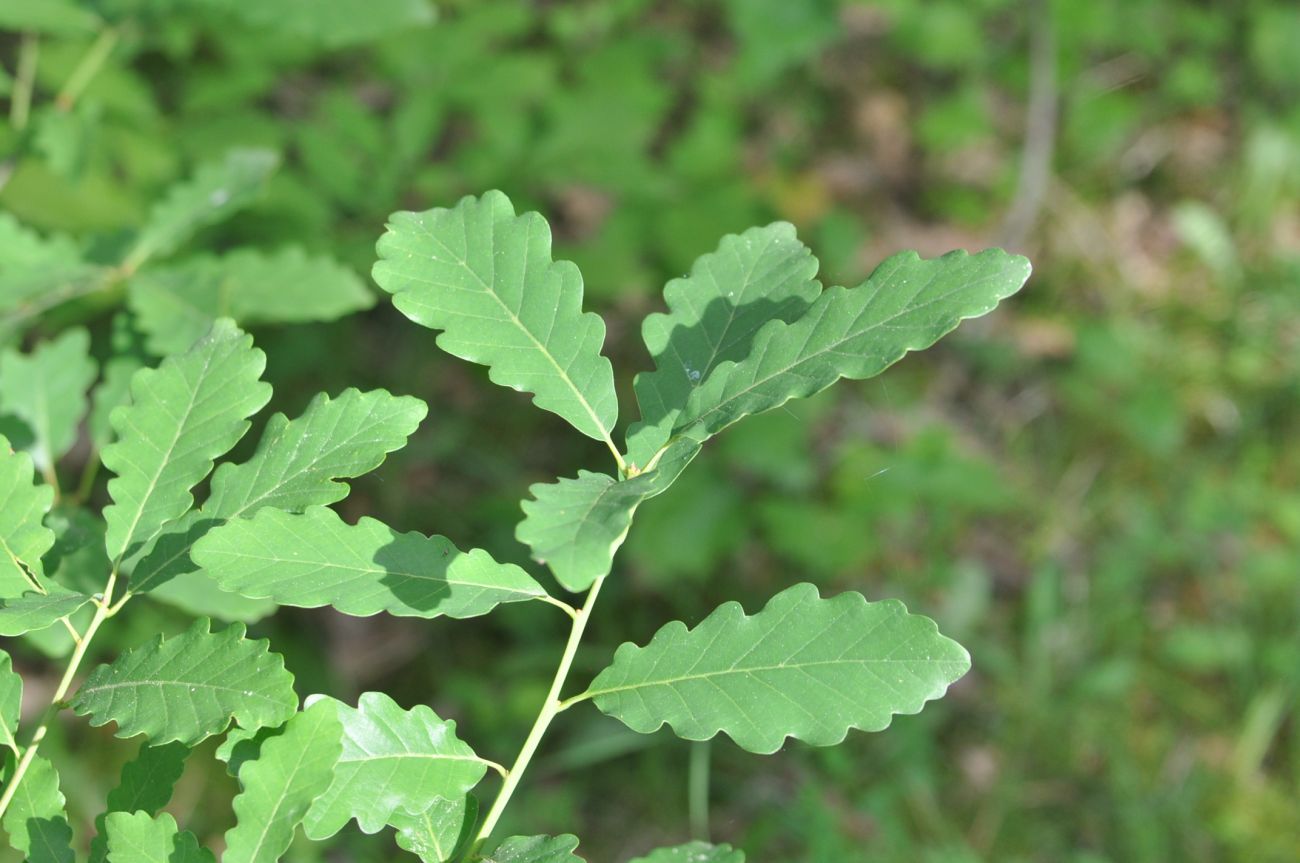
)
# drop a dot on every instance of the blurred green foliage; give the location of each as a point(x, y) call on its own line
point(1098, 489)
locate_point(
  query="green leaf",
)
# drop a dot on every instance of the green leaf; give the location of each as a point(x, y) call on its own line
point(77, 559)
point(438, 833)
point(11, 702)
point(39, 272)
point(291, 771)
point(907, 304)
point(190, 687)
point(216, 190)
point(803, 667)
point(55, 17)
point(332, 23)
point(35, 611)
point(139, 837)
point(575, 526)
point(47, 390)
point(485, 277)
point(198, 595)
point(297, 464)
point(176, 304)
point(316, 559)
point(242, 746)
point(393, 760)
point(36, 821)
point(187, 412)
point(145, 787)
point(693, 852)
point(24, 538)
point(713, 314)
point(126, 359)
point(535, 849)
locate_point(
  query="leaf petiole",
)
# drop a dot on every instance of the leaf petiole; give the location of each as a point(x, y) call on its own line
point(549, 710)
point(58, 700)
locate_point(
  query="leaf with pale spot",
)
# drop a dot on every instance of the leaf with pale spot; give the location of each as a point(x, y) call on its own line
point(693, 852)
point(907, 304)
point(535, 849)
point(760, 275)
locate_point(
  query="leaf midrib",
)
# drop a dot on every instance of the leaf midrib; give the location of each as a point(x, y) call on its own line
point(166, 459)
point(755, 670)
point(364, 570)
point(854, 334)
point(488, 289)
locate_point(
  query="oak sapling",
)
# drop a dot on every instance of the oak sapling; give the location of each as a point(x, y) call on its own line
point(746, 330)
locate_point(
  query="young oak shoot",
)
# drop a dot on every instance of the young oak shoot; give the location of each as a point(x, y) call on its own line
point(748, 329)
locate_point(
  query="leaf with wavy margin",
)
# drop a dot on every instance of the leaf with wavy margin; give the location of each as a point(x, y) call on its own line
point(393, 761)
point(907, 304)
point(803, 667)
point(190, 686)
point(485, 277)
point(315, 558)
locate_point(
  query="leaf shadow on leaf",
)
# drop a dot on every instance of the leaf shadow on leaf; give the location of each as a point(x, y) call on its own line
point(17, 432)
point(717, 318)
point(170, 556)
point(241, 747)
point(428, 594)
point(48, 833)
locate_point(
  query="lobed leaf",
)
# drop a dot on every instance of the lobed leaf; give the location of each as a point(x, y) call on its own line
point(11, 702)
point(189, 687)
point(575, 526)
point(761, 275)
point(803, 667)
point(907, 304)
point(300, 463)
point(216, 190)
point(139, 837)
point(535, 849)
point(35, 820)
point(196, 594)
point(46, 389)
point(297, 464)
point(176, 304)
point(35, 611)
point(145, 787)
point(693, 852)
point(126, 358)
point(39, 272)
point(438, 833)
point(315, 559)
point(187, 412)
point(485, 277)
point(24, 538)
point(393, 761)
point(291, 770)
